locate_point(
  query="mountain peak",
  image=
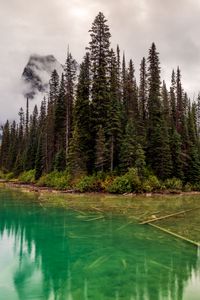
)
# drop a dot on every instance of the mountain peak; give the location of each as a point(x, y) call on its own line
point(37, 73)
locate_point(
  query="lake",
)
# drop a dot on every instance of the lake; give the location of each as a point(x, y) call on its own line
point(51, 252)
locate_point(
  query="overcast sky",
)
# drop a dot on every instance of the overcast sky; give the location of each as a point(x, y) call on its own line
point(48, 26)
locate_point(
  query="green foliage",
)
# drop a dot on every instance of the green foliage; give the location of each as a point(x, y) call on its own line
point(58, 180)
point(151, 184)
point(6, 176)
point(188, 187)
point(60, 160)
point(130, 182)
point(88, 184)
point(120, 185)
point(1, 174)
point(173, 183)
point(106, 122)
point(27, 176)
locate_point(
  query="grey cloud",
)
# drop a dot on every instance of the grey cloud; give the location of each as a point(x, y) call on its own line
point(48, 26)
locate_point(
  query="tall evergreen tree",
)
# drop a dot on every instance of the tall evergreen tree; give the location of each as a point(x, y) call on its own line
point(99, 48)
point(60, 119)
point(82, 116)
point(159, 156)
point(4, 158)
point(50, 120)
point(32, 142)
point(70, 76)
point(114, 114)
point(173, 100)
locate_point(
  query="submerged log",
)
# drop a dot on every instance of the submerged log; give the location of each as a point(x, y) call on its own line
point(176, 235)
point(167, 216)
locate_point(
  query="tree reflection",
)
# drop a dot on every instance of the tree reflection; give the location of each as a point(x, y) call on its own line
point(63, 256)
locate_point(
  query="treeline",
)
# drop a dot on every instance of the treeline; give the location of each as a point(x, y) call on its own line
point(102, 120)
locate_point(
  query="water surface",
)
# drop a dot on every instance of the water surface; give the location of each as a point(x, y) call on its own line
point(47, 252)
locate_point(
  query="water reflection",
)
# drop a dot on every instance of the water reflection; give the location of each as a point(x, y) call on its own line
point(48, 253)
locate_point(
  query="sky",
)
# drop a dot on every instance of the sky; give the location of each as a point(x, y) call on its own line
point(48, 26)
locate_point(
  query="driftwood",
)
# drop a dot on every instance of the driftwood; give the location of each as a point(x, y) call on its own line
point(167, 216)
point(176, 235)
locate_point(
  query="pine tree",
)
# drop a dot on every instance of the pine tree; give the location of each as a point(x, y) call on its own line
point(13, 146)
point(166, 105)
point(19, 163)
point(82, 115)
point(99, 48)
point(77, 162)
point(131, 105)
point(4, 161)
point(101, 151)
point(158, 152)
point(50, 120)
point(39, 166)
point(70, 76)
point(30, 153)
point(176, 154)
point(27, 115)
point(114, 114)
point(143, 93)
point(173, 100)
point(128, 147)
point(60, 119)
point(41, 155)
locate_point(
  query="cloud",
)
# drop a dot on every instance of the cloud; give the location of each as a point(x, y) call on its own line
point(49, 26)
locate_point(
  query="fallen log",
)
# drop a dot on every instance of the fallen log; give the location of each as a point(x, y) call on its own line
point(167, 216)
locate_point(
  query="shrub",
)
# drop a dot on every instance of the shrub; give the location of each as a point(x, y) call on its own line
point(188, 187)
point(55, 179)
point(7, 176)
point(107, 182)
point(2, 175)
point(27, 176)
point(146, 186)
point(154, 182)
point(129, 182)
point(120, 185)
point(88, 184)
point(173, 183)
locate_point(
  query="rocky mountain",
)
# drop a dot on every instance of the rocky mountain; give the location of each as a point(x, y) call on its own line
point(36, 74)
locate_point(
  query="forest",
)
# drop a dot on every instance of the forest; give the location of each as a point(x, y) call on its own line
point(100, 129)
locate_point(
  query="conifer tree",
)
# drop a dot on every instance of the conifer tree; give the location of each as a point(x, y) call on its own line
point(173, 100)
point(32, 141)
point(39, 161)
point(99, 48)
point(176, 155)
point(101, 151)
point(41, 155)
point(166, 105)
point(159, 156)
point(143, 91)
point(19, 163)
point(50, 120)
point(70, 76)
point(13, 146)
point(4, 161)
point(77, 162)
point(131, 105)
point(114, 114)
point(132, 154)
point(60, 119)
point(82, 115)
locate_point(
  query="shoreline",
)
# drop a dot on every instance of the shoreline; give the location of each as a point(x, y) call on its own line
point(31, 187)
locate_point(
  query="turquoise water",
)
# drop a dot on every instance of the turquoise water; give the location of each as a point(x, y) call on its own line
point(54, 253)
